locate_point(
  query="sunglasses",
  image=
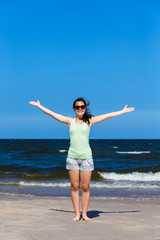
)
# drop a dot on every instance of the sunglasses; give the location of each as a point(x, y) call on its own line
point(78, 107)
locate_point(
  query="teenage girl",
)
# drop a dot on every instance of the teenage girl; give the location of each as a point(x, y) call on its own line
point(79, 161)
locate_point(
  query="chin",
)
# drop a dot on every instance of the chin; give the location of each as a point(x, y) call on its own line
point(81, 114)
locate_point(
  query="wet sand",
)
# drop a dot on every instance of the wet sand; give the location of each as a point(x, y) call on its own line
point(49, 218)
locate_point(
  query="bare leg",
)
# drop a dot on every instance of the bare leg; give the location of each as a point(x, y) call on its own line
point(85, 183)
point(75, 179)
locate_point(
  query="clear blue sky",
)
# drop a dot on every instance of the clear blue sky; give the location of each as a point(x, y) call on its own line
point(56, 51)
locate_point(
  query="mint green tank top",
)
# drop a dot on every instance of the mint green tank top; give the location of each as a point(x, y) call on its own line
point(79, 141)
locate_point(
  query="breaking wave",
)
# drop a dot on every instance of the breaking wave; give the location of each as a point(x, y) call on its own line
point(134, 176)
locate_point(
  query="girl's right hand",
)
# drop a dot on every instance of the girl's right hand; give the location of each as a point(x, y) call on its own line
point(36, 104)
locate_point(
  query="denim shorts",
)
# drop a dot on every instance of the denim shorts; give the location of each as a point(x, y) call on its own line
point(80, 164)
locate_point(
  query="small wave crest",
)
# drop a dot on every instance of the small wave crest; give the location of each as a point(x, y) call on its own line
point(8, 194)
point(124, 185)
point(134, 152)
point(62, 150)
point(134, 176)
point(42, 184)
point(94, 184)
point(36, 184)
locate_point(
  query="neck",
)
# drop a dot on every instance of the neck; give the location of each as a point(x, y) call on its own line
point(79, 118)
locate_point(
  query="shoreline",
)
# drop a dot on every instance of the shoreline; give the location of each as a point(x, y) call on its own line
point(95, 193)
point(98, 198)
point(24, 218)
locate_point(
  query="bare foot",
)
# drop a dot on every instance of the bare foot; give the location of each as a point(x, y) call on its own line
point(86, 219)
point(77, 218)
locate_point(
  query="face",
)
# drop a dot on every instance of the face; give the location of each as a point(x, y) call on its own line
point(80, 111)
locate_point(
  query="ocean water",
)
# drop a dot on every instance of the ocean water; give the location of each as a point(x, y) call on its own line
point(124, 169)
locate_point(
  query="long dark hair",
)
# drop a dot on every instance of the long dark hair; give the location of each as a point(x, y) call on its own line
point(87, 116)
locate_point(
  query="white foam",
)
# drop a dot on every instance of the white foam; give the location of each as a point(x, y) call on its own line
point(134, 176)
point(43, 184)
point(133, 152)
point(124, 185)
point(62, 150)
point(94, 184)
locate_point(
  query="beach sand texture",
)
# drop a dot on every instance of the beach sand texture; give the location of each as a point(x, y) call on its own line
point(48, 218)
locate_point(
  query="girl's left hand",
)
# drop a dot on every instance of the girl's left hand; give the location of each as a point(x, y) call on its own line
point(125, 109)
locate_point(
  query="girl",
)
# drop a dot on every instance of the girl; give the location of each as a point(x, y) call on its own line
point(79, 161)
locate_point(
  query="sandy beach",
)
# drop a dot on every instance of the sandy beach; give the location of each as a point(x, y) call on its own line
point(50, 218)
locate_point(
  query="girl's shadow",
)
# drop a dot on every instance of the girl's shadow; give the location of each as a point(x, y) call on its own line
point(94, 213)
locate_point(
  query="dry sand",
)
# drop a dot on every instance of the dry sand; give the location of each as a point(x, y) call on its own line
point(49, 218)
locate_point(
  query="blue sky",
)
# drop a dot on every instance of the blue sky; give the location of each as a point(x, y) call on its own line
point(55, 51)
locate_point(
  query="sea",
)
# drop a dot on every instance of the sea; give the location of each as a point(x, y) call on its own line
point(124, 169)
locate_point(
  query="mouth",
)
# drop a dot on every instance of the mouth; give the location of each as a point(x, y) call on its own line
point(80, 111)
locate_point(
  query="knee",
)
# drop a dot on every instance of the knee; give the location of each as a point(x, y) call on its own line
point(75, 187)
point(85, 187)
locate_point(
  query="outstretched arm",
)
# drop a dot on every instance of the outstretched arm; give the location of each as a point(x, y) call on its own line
point(104, 117)
point(56, 116)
